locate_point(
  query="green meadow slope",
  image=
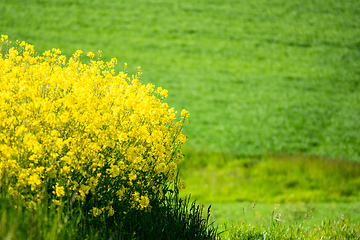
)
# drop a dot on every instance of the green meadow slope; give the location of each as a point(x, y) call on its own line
point(272, 83)
point(258, 77)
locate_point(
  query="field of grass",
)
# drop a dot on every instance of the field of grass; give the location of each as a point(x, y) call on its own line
point(249, 190)
point(277, 197)
point(257, 77)
point(269, 84)
point(279, 179)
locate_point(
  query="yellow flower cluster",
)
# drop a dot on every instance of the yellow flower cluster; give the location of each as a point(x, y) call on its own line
point(74, 131)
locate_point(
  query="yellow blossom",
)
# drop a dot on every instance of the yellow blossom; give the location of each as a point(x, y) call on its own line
point(59, 190)
point(34, 181)
point(90, 54)
point(144, 202)
point(84, 129)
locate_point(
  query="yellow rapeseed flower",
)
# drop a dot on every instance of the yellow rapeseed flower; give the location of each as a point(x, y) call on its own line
point(80, 132)
point(59, 190)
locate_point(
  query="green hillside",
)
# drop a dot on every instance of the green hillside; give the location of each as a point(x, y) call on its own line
point(258, 77)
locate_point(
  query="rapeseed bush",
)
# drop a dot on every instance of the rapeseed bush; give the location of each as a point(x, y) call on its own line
point(78, 132)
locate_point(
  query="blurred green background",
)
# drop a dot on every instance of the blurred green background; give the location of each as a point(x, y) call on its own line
point(269, 84)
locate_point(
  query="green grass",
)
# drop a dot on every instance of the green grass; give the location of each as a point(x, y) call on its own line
point(291, 213)
point(46, 223)
point(299, 184)
point(257, 77)
point(273, 179)
point(277, 197)
point(172, 218)
point(260, 79)
point(340, 229)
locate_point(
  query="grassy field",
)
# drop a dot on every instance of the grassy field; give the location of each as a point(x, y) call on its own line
point(257, 77)
point(279, 179)
point(252, 190)
point(268, 84)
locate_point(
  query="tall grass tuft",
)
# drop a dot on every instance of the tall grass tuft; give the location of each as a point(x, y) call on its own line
point(172, 218)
